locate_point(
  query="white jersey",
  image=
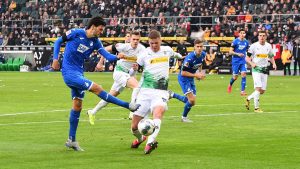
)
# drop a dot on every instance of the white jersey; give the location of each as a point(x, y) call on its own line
point(156, 67)
point(131, 54)
point(260, 55)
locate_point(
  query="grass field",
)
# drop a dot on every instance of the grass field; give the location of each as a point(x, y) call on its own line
point(34, 110)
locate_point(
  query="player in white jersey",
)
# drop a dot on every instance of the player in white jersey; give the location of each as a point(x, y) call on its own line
point(124, 73)
point(153, 95)
point(259, 54)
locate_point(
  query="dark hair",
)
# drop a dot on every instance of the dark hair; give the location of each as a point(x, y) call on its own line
point(242, 30)
point(96, 21)
point(262, 32)
point(135, 32)
point(154, 34)
point(197, 41)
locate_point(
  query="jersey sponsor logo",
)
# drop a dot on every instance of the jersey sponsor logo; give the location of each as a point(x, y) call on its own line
point(262, 55)
point(241, 47)
point(197, 66)
point(159, 60)
point(82, 48)
point(130, 58)
point(68, 32)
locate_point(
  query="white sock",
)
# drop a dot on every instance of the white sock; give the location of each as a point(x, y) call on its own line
point(252, 95)
point(99, 106)
point(153, 136)
point(134, 94)
point(256, 99)
point(137, 134)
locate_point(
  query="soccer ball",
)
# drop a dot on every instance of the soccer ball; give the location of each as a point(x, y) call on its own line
point(146, 127)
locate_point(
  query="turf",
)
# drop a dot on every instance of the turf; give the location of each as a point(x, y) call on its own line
point(34, 110)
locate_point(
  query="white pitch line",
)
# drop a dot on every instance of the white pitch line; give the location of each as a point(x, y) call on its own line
point(110, 108)
point(118, 119)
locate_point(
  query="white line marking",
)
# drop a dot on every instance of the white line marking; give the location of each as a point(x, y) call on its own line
point(118, 119)
point(110, 108)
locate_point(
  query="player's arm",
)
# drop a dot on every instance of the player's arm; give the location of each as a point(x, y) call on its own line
point(249, 60)
point(272, 60)
point(57, 45)
point(177, 55)
point(100, 65)
point(232, 52)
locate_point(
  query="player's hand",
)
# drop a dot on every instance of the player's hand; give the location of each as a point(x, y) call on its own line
point(253, 65)
point(99, 67)
point(274, 66)
point(55, 64)
point(121, 56)
point(135, 66)
point(200, 76)
point(241, 55)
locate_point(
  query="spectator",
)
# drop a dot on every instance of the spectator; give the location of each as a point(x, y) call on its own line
point(286, 57)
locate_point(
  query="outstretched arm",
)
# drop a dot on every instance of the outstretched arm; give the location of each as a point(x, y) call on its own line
point(57, 44)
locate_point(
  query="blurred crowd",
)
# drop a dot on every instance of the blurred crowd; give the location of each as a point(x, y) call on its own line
point(29, 22)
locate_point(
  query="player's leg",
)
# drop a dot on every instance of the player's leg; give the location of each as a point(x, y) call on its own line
point(141, 113)
point(235, 72)
point(158, 106)
point(97, 89)
point(92, 113)
point(258, 84)
point(188, 106)
point(77, 96)
point(243, 70)
point(189, 90)
point(172, 94)
point(134, 85)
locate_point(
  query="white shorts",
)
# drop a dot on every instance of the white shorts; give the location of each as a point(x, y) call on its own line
point(260, 80)
point(120, 81)
point(149, 99)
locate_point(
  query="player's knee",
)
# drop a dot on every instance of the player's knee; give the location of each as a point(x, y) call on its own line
point(235, 77)
point(261, 91)
point(77, 105)
point(96, 88)
point(192, 101)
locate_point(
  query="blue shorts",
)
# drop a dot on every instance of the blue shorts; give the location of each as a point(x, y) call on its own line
point(236, 68)
point(187, 86)
point(78, 85)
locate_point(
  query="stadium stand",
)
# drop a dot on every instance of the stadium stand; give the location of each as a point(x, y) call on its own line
point(26, 23)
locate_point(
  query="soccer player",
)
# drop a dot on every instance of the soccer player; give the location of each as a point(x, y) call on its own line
point(124, 73)
point(258, 55)
point(191, 68)
point(153, 95)
point(238, 51)
point(80, 43)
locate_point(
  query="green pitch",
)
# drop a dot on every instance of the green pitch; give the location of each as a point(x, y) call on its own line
point(34, 110)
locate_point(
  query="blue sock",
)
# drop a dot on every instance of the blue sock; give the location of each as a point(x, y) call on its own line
point(231, 81)
point(109, 98)
point(74, 119)
point(180, 98)
point(186, 109)
point(243, 84)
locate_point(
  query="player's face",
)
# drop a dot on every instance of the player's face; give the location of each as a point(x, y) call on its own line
point(242, 34)
point(97, 30)
point(262, 38)
point(127, 38)
point(155, 44)
point(134, 40)
point(198, 48)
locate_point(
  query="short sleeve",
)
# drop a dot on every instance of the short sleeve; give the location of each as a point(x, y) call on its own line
point(120, 47)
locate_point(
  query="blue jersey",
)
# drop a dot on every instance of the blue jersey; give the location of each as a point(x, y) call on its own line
point(78, 48)
point(191, 64)
point(239, 46)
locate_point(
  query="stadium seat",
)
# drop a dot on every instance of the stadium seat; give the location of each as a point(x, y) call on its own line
point(16, 64)
point(10, 64)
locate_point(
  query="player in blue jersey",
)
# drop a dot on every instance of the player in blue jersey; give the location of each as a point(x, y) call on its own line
point(80, 43)
point(191, 68)
point(238, 51)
